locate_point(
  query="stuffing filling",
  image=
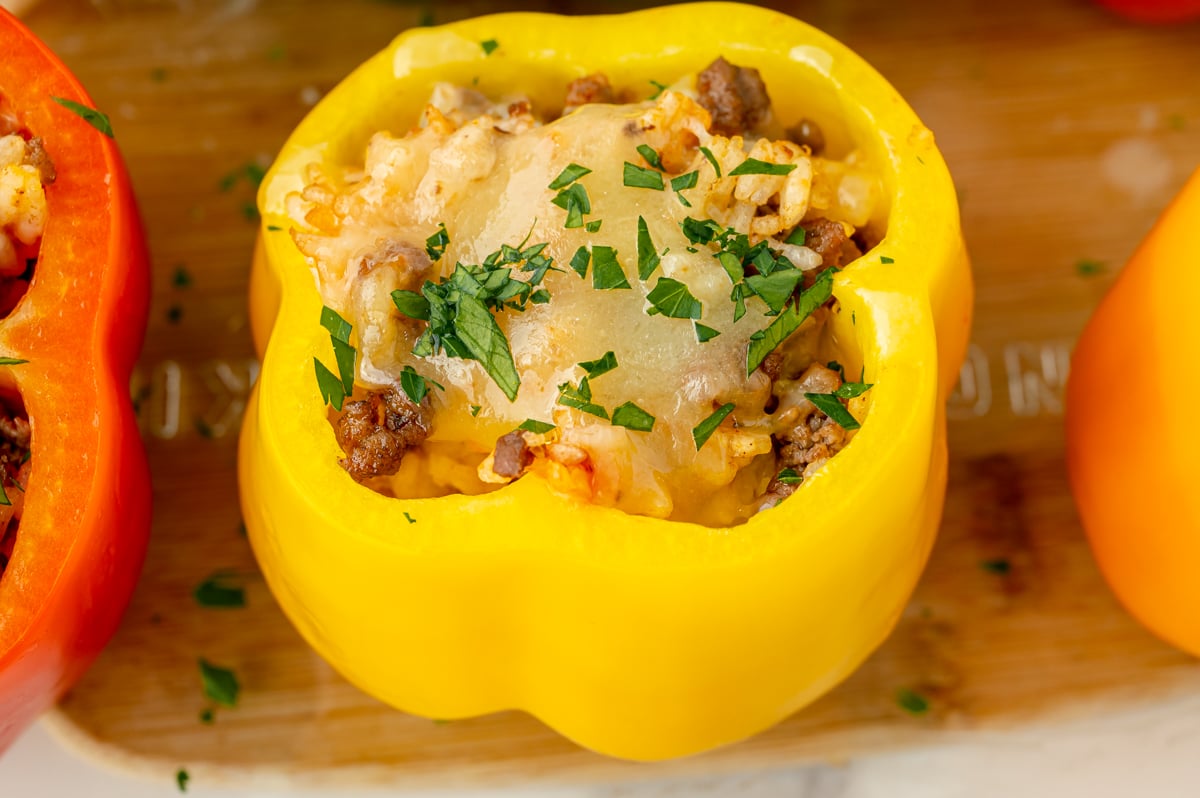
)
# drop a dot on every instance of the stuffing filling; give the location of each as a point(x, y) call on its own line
point(630, 299)
point(25, 171)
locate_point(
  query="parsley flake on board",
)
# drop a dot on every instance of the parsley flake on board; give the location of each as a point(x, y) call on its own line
point(630, 416)
point(911, 701)
point(648, 259)
point(712, 159)
point(1087, 267)
point(535, 426)
point(217, 592)
point(489, 46)
point(753, 166)
point(640, 177)
point(568, 176)
point(829, 404)
point(181, 779)
point(220, 684)
point(704, 430)
point(999, 567)
point(93, 117)
point(606, 269)
point(672, 298)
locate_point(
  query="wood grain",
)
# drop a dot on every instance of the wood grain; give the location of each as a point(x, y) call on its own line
point(1067, 132)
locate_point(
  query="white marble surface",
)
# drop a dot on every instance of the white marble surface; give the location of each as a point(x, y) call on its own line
point(1152, 752)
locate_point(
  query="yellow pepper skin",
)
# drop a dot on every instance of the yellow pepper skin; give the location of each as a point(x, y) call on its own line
point(635, 637)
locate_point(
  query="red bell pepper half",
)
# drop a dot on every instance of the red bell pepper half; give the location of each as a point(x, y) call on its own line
point(78, 471)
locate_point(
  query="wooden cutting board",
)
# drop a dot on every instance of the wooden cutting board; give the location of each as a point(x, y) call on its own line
point(1067, 132)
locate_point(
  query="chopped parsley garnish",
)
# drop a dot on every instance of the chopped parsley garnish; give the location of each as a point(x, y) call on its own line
point(911, 701)
point(435, 245)
point(775, 288)
point(602, 365)
point(797, 237)
point(763, 342)
point(884, 259)
point(648, 259)
point(459, 310)
point(568, 176)
point(712, 159)
point(535, 426)
point(836, 366)
point(93, 117)
point(181, 779)
point(641, 177)
point(704, 333)
point(489, 46)
point(650, 155)
point(704, 430)
point(850, 390)
point(606, 269)
point(672, 298)
point(574, 200)
point(788, 476)
point(409, 518)
point(684, 181)
point(580, 398)
point(414, 385)
point(338, 327)
point(274, 228)
point(580, 260)
point(632, 417)
point(539, 297)
point(753, 166)
point(829, 404)
point(659, 88)
point(593, 226)
point(12, 361)
point(220, 684)
point(217, 592)
point(738, 297)
point(475, 410)
point(336, 387)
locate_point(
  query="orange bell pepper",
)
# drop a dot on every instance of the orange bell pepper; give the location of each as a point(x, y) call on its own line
point(69, 346)
point(1135, 485)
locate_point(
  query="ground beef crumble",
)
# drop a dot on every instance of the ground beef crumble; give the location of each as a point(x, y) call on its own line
point(811, 440)
point(15, 437)
point(377, 431)
point(736, 97)
point(590, 89)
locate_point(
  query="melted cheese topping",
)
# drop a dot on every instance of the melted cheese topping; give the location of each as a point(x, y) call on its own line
point(484, 172)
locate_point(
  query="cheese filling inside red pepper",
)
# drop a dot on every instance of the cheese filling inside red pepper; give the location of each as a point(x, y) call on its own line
point(630, 300)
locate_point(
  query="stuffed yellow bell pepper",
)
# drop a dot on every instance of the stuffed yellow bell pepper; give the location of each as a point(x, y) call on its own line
point(604, 381)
